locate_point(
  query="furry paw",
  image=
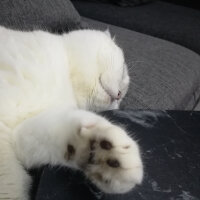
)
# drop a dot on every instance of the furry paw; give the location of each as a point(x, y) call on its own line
point(107, 155)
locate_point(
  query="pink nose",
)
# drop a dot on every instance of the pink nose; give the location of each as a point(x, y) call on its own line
point(118, 95)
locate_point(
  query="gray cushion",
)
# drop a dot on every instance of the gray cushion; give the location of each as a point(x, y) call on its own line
point(164, 75)
point(123, 3)
point(52, 15)
point(171, 22)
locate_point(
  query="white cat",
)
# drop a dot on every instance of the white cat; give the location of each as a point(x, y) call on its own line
point(47, 82)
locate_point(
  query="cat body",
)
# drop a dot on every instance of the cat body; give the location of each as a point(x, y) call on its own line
point(48, 86)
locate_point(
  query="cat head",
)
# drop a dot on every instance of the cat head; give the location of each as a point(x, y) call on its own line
point(98, 71)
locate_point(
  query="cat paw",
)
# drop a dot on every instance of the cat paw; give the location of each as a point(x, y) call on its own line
point(108, 157)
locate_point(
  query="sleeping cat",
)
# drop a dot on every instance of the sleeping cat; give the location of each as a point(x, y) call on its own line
point(50, 87)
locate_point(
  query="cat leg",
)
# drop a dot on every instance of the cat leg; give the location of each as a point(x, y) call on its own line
point(85, 141)
point(108, 156)
point(14, 181)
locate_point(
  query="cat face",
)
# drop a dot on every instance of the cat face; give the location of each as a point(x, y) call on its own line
point(111, 88)
point(97, 69)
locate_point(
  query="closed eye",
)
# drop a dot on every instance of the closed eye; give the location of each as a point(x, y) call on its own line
point(112, 96)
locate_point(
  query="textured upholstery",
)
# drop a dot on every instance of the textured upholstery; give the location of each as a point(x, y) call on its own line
point(163, 75)
point(169, 142)
point(55, 16)
point(175, 23)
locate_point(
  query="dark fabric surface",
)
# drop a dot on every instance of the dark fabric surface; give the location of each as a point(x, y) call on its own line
point(164, 20)
point(188, 3)
point(51, 15)
point(198, 104)
point(170, 145)
point(123, 3)
point(163, 75)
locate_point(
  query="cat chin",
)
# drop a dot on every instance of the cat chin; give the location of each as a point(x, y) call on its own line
point(113, 106)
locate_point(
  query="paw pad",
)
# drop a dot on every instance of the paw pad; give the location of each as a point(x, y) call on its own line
point(70, 150)
point(91, 158)
point(106, 145)
point(113, 163)
point(92, 144)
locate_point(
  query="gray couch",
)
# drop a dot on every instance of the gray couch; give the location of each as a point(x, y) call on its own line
point(162, 47)
point(164, 75)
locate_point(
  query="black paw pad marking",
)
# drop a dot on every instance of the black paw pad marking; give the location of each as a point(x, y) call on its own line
point(106, 145)
point(92, 144)
point(91, 158)
point(71, 151)
point(107, 181)
point(113, 163)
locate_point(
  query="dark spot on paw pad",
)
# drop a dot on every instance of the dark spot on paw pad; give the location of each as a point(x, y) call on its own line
point(113, 163)
point(106, 145)
point(107, 181)
point(92, 144)
point(70, 151)
point(91, 158)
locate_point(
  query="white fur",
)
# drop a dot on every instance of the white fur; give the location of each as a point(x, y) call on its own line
point(44, 80)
